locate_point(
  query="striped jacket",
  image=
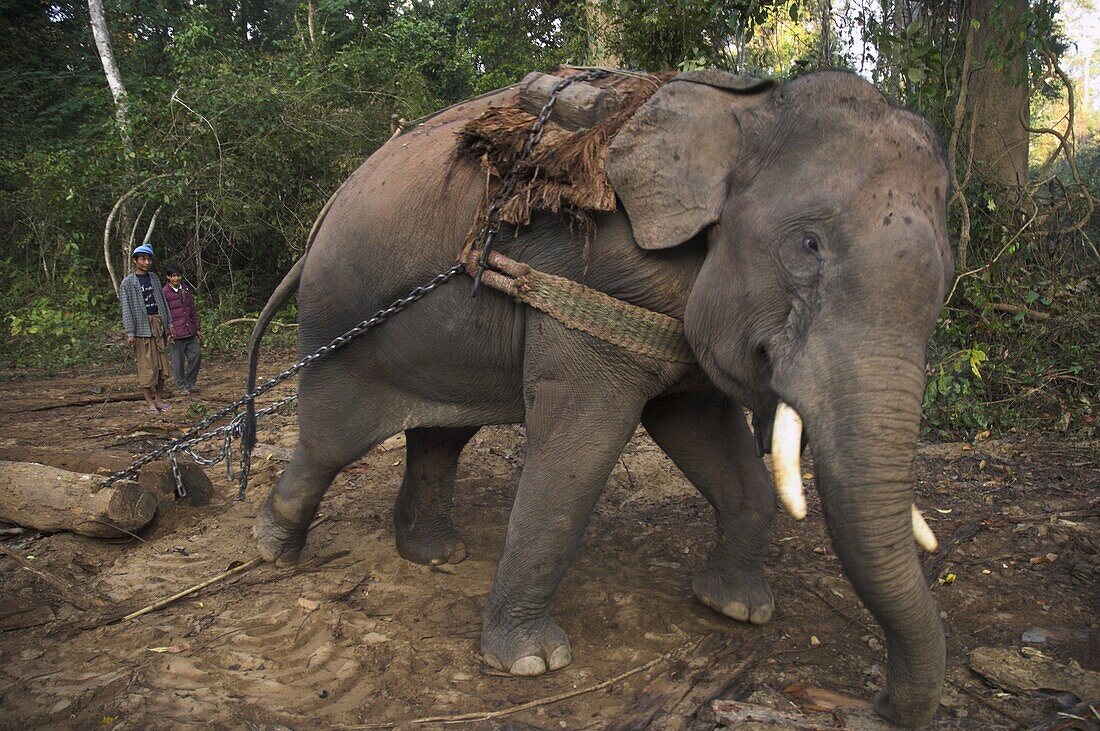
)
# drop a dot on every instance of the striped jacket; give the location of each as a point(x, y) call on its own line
point(134, 319)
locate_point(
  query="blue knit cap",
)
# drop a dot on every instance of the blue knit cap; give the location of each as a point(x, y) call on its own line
point(143, 249)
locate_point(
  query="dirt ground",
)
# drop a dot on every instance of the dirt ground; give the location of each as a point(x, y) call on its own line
point(355, 637)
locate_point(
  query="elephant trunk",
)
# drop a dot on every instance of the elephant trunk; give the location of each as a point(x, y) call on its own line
point(863, 427)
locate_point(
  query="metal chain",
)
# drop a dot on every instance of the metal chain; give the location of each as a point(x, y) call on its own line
point(492, 218)
point(193, 435)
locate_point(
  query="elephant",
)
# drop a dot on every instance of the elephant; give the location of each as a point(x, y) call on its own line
point(797, 230)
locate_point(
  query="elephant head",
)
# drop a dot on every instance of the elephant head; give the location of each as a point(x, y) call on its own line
point(823, 211)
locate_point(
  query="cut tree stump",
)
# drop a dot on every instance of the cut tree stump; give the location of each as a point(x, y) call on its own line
point(49, 499)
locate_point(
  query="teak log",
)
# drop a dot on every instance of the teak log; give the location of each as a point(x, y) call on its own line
point(48, 499)
point(577, 105)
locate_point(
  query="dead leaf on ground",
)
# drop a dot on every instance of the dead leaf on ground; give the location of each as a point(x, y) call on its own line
point(819, 699)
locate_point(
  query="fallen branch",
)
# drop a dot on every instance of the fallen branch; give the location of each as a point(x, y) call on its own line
point(96, 401)
point(68, 593)
point(197, 587)
point(1019, 309)
point(489, 715)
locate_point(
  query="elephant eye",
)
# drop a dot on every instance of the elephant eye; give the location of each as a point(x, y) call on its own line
point(811, 243)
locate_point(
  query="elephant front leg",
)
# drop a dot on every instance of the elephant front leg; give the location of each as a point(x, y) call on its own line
point(707, 437)
point(574, 436)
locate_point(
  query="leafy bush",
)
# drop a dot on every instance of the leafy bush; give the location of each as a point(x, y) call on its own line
point(1016, 346)
point(55, 327)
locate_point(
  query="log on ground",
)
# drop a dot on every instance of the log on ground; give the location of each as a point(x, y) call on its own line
point(51, 500)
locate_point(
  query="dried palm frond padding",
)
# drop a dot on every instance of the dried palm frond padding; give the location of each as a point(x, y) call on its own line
point(565, 171)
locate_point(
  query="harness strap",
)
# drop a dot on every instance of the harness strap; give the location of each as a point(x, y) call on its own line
point(633, 328)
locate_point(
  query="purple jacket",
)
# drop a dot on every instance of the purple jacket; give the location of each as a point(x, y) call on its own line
point(185, 318)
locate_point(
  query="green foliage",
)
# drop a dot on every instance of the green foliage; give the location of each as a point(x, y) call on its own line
point(1027, 317)
point(66, 324)
point(694, 34)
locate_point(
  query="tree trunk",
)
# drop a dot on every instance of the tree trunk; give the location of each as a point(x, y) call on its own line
point(311, 23)
point(110, 68)
point(48, 499)
point(118, 91)
point(999, 94)
point(598, 30)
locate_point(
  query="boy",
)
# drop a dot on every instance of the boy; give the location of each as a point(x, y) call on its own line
point(148, 325)
point(186, 349)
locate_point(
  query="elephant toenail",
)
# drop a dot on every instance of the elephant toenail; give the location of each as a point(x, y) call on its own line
point(492, 662)
point(560, 657)
point(527, 666)
point(459, 554)
point(761, 616)
point(736, 610)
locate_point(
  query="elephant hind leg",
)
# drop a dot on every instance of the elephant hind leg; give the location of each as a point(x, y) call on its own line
point(422, 513)
point(706, 436)
point(281, 525)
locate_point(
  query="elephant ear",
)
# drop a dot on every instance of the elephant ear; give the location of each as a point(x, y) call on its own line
point(670, 162)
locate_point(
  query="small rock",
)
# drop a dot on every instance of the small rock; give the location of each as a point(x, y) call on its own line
point(1034, 636)
point(394, 442)
point(375, 638)
point(308, 604)
point(814, 642)
point(461, 677)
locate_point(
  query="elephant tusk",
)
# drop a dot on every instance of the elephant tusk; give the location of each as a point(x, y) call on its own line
point(924, 536)
point(786, 467)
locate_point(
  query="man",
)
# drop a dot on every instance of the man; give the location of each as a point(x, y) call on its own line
point(186, 349)
point(148, 325)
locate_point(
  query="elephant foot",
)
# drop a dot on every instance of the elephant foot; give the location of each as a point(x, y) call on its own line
point(525, 648)
point(914, 714)
point(274, 540)
point(742, 595)
point(431, 545)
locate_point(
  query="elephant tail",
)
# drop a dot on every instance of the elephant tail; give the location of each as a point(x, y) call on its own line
point(278, 298)
point(274, 303)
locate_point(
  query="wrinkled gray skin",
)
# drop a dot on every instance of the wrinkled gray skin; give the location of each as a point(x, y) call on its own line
point(799, 231)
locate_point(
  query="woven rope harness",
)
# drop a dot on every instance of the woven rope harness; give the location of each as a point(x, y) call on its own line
point(577, 307)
